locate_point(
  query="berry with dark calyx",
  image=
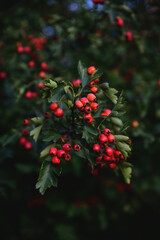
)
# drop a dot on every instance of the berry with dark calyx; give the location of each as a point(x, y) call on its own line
point(22, 141)
point(89, 120)
point(117, 154)
point(84, 101)
point(106, 158)
point(109, 151)
point(44, 66)
point(91, 97)
point(67, 157)
point(61, 153)
point(87, 109)
point(78, 104)
point(59, 112)
point(91, 84)
point(46, 115)
point(31, 64)
point(53, 106)
point(67, 147)
point(91, 70)
point(96, 147)
point(103, 138)
point(53, 151)
point(94, 89)
point(94, 105)
point(42, 74)
point(87, 117)
point(111, 138)
point(107, 131)
point(76, 82)
point(28, 94)
point(25, 132)
point(77, 147)
point(25, 122)
point(41, 85)
point(56, 160)
point(28, 145)
point(112, 165)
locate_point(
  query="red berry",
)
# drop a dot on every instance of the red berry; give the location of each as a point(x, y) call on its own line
point(76, 82)
point(3, 75)
point(44, 66)
point(34, 94)
point(25, 122)
point(106, 131)
point(91, 97)
point(91, 70)
point(87, 109)
point(111, 138)
point(20, 49)
point(53, 106)
point(28, 94)
point(78, 104)
point(67, 147)
point(61, 153)
point(84, 101)
point(96, 80)
point(25, 132)
point(106, 112)
point(106, 158)
point(77, 147)
point(41, 85)
point(109, 151)
point(98, 159)
point(31, 64)
point(59, 112)
point(117, 154)
point(87, 116)
point(120, 21)
point(28, 145)
point(67, 157)
point(112, 165)
point(53, 151)
point(103, 138)
point(89, 120)
point(46, 115)
point(22, 140)
point(27, 49)
point(94, 89)
point(42, 74)
point(129, 36)
point(91, 84)
point(96, 147)
point(94, 105)
point(56, 160)
point(158, 82)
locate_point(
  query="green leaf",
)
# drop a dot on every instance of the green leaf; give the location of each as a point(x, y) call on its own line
point(37, 120)
point(116, 121)
point(50, 83)
point(46, 177)
point(91, 130)
point(45, 151)
point(56, 94)
point(126, 169)
point(121, 138)
point(52, 137)
point(35, 132)
point(109, 92)
point(83, 74)
point(96, 75)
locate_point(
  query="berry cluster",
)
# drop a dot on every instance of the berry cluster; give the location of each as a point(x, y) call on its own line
point(58, 112)
point(63, 153)
point(107, 153)
point(23, 140)
point(30, 94)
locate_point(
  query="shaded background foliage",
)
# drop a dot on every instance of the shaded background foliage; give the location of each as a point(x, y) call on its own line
point(84, 206)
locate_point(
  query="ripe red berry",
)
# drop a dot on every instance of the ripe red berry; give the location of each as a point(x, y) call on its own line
point(89, 120)
point(106, 112)
point(34, 94)
point(46, 115)
point(20, 49)
point(41, 85)
point(91, 97)
point(106, 131)
point(120, 21)
point(25, 122)
point(67, 147)
point(53, 151)
point(129, 36)
point(78, 104)
point(117, 154)
point(53, 106)
point(84, 101)
point(109, 151)
point(87, 109)
point(103, 138)
point(67, 157)
point(28, 145)
point(56, 160)
point(22, 140)
point(77, 147)
point(98, 159)
point(25, 132)
point(3, 75)
point(112, 165)
point(87, 116)
point(61, 153)
point(94, 105)
point(31, 64)
point(91, 70)
point(96, 147)
point(107, 158)
point(94, 89)
point(111, 138)
point(27, 49)
point(59, 112)
point(96, 80)
point(91, 84)
point(76, 82)
point(42, 74)
point(44, 66)
point(28, 94)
